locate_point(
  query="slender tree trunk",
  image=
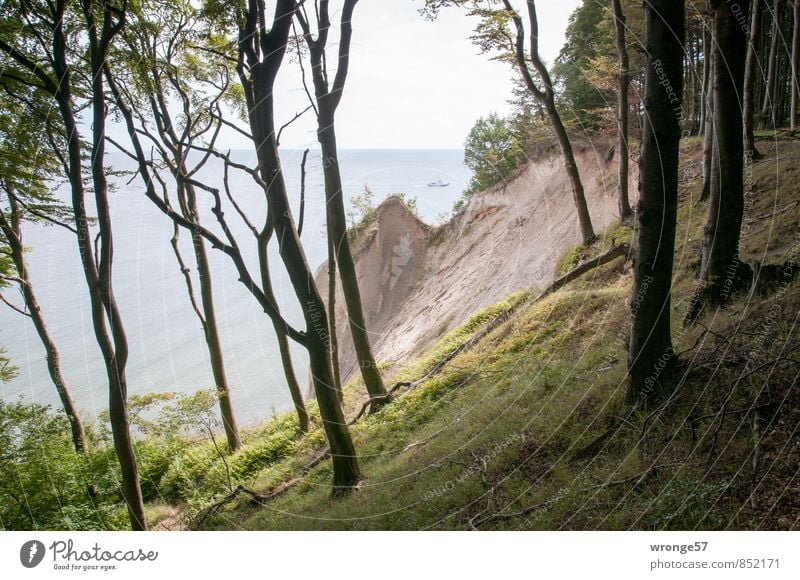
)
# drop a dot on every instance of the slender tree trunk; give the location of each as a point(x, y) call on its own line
point(107, 323)
point(328, 99)
point(280, 334)
point(795, 62)
point(13, 234)
point(650, 354)
point(337, 232)
point(546, 98)
point(709, 138)
point(706, 77)
point(750, 75)
point(768, 108)
point(721, 265)
point(211, 333)
point(337, 375)
point(625, 209)
point(259, 92)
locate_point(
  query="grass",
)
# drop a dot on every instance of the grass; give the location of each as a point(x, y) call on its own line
point(528, 430)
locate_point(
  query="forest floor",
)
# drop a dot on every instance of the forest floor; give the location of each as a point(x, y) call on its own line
point(527, 428)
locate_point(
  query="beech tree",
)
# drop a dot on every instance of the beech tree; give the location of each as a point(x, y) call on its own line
point(27, 171)
point(258, 52)
point(721, 270)
point(650, 353)
point(493, 34)
point(752, 72)
point(38, 41)
point(327, 98)
point(625, 209)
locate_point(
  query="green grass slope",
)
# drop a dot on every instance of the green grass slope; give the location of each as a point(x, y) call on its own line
point(528, 429)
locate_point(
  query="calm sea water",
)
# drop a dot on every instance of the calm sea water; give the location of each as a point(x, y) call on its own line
point(167, 348)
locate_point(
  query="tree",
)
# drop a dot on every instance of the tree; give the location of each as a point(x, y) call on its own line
point(650, 353)
point(625, 210)
point(492, 151)
point(795, 63)
point(258, 52)
point(25, 169)
point(38, 38)
point(750, 75)
point(7, 370)
point(492, 34)
point(586, 40)
point(769, 108)
point(721, 268)
point(327, 99)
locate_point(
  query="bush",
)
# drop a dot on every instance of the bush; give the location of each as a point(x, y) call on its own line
point(44, 483)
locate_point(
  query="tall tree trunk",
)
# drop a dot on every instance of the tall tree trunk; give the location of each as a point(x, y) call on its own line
point(337, 375)
point(625, 209)
point(328, 99)
point(211, 333)
point(280, 334)
point(337, 232)
point(263, 53)
point(346, 471)
point(795, 62)
point(709, 138)
point(650, 354)
point(13, 233)
point(106, 320)
point(750, 75)
point(722, 268)
point(769, 104)
point(546, 97)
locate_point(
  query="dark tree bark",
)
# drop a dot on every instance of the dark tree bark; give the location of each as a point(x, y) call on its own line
point(100, 22)
point(99, 278)
point(12, 231)
point(546, 97)
point(261, 53)
point(211, 332)
point(709, 140)
point(328, 99)
point(769, 106)
point(750, 76)
point(721, 267)
point(337, 375)
point(625, 209)
point(650, 354)
point(795, 62)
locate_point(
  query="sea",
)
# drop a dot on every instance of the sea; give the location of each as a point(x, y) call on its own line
point(167, 350)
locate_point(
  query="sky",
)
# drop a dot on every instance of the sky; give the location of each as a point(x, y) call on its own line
point(412, 84)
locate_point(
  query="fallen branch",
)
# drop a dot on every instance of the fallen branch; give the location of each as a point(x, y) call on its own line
point(612, 254)
point(260, 498)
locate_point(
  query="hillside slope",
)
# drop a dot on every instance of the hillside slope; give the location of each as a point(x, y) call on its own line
point(528, 429)
point(418, 282)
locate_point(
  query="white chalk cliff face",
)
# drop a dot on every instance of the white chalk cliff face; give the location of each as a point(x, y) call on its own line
point(418, 282)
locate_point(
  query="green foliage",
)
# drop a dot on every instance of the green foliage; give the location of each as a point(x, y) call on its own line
point(571, 259)
point(44, 483)
point(492, 151)
point(409, 201)
point(685, 504)
point(7, 370)
point(586, 40)
point(362, 212)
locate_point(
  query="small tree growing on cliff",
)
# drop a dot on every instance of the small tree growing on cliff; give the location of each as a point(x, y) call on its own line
point(501, 29)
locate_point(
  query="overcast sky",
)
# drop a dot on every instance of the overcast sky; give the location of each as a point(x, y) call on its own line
point(412, 83)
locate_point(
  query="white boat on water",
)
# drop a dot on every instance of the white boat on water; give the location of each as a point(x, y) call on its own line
point(439, 183)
